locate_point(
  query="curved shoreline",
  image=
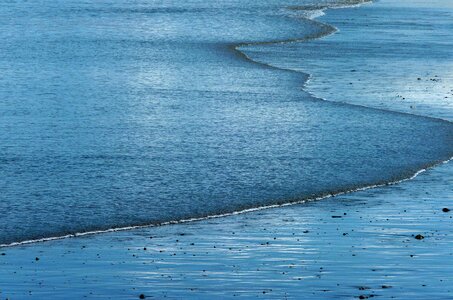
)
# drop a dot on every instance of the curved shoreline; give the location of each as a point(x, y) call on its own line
point(317, 198)
point(322, 34)
point(236, 48)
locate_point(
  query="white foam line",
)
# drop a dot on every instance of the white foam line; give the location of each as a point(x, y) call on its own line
point(320, 12)
point(309, 75)
point(248, 210)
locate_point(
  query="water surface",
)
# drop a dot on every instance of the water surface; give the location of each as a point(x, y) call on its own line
point(128, 113)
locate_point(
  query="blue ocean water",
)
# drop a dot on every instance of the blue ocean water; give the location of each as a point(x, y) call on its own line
point(120, 113)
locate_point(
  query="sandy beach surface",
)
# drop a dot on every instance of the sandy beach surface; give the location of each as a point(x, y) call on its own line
point(361, 244)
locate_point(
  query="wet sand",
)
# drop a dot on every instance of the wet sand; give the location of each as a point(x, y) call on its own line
point(362, 244)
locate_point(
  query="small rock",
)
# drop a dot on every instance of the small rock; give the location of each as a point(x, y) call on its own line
point(363, 297)
point(141, 296)
point(386, 286)
point(36, 258)
point(419, 237)
point(445, 209)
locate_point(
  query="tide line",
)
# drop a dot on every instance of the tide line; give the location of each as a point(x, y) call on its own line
point(248, 210)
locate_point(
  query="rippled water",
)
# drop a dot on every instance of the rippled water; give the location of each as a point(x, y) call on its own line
point(125, 113)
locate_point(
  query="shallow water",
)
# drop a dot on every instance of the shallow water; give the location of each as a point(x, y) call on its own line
point(414, 41)
point(128, 113)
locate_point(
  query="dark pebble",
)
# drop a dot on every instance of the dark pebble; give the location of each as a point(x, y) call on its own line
point(445, 209)
point(336, 216)
point(141, 296)
point(419, 237)
point(363, 297)
point(37, 258)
